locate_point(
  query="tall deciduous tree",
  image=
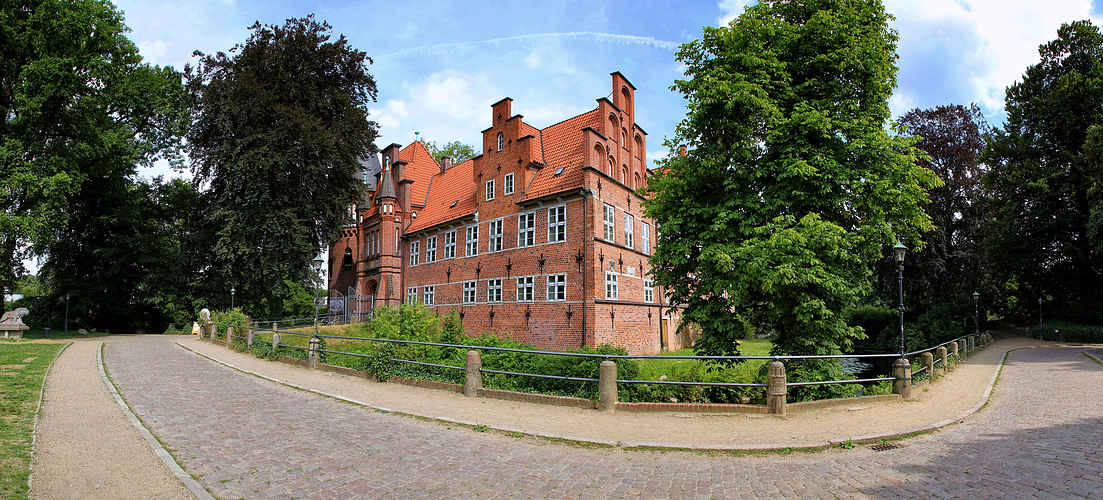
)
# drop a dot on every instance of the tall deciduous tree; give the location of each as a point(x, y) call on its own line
point(76, 103)
point(791, 186)
point(1041, 175)
point(952, 263)
point(278, 129)
point(458, 151)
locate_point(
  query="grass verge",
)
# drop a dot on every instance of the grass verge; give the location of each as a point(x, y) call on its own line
point(23, 367)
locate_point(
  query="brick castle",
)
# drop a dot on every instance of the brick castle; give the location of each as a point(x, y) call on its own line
point(540, 238)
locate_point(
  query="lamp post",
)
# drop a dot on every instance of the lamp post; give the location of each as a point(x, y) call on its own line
point(898, 252)
point(976, 302)
point(66, 313)
point(232, 298)
point(1040, 318)
point(317, 265)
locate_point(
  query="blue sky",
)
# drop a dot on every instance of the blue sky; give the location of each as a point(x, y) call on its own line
point(440, 64)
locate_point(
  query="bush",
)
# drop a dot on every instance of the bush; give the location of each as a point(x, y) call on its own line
point(1073, 332)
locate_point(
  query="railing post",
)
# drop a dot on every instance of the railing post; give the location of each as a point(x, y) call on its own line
point(775, 390)
point(964, 347)
point(972, 343)
point(991, 339)
point(275, 342)
point(607, 386)
point(941, 353)
point(249, 338)
point(928, 363)
point(902, 371)
point(473, 374)
point(312, 352)
point(953, 348)
point(229, 335)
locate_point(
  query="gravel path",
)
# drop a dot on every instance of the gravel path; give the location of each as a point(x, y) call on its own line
point(246, 437)
point(85, 446)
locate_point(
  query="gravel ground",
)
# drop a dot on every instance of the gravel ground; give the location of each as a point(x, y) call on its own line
point(85, 446)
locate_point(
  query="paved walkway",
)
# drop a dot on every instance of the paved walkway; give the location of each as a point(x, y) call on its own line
point(246, 437)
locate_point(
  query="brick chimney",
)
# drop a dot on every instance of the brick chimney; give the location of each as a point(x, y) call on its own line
point(445, 164)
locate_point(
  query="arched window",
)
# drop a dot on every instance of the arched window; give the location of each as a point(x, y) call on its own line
point(599, 153)
point(626, 99)
point(499, 141)
point(612, 126)
point(624, 138)
point(347, 261)
point(639, 147)
point(624, 174)
point(611, 167)
point(638, 184)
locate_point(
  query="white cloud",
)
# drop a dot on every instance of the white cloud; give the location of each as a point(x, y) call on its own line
point(153, 50)
point(731, 9)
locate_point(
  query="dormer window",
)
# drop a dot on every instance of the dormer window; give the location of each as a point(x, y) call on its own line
point(499, 141)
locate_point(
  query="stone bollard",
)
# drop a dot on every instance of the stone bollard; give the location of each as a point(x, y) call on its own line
point(229, 335)
point(972, 343)
point(607, 387)
point(275, 342)
point(991, 339)
point(953, 348)
point(964, 347)
point(775, 389)
point(312, 354)
point(902, 371)
point(928, 363)
point(473, 374)
point(941, 353)
point(249, 338)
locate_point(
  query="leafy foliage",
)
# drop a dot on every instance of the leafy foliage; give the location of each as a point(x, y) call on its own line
point(1073, 332)
point(76, 105)
point(790, 186)
point(458, 151)
point(1044, 163)
point(279, 127)
point(953, 262)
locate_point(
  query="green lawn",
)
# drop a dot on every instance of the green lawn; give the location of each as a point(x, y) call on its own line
point(22, 372)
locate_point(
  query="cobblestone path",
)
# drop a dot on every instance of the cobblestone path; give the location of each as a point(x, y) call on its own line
point(244, 437)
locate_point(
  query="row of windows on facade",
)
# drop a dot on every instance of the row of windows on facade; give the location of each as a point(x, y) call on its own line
point(526, 235)
point(526, 286)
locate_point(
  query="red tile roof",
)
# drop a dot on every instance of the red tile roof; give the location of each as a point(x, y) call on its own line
point(563, 147)
point(454, 186)
point(420, 167)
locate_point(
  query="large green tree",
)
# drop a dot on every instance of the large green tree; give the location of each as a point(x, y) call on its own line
point(76, 103)
point(1042, 172)
point(279, 125)
point(791, 186)
point(458, 151)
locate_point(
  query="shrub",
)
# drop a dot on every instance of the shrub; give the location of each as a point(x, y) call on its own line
point(1074, 332)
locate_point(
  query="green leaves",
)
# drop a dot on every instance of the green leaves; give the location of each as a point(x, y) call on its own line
point(791, 186)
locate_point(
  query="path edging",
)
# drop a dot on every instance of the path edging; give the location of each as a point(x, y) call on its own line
point(628, 444)
point(189, 482)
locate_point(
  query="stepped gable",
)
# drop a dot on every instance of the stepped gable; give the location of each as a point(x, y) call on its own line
point(451, 197)
point(564, 146)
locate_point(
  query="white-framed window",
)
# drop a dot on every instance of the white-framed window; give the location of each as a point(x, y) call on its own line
point(450, 244)
point(431, 249)
point(494, 290)
point(645, 237)
point(411, 295)
point(495, 236)
point(611, 286)
point(557, 224)
point(648, 291)
point(629, 230)
point(557, 287)
point(471, 244)
point(507, 187)
point(526, 229)
point(609, 217)
point(430, 292)
point(415, 253)
point(500, 141)
point(490, 190)
point(468, 292)
point(525, 288)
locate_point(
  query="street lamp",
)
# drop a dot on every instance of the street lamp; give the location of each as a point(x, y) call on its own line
point(1040, 319)
point(898, 252)
point(317, 265)
point(232, 298)
point(976, 302)
point(66, 314)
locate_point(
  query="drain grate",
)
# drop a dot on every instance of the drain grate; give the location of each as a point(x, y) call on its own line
point(883, 447)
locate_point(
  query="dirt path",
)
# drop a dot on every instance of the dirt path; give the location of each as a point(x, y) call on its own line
point(86, 447)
